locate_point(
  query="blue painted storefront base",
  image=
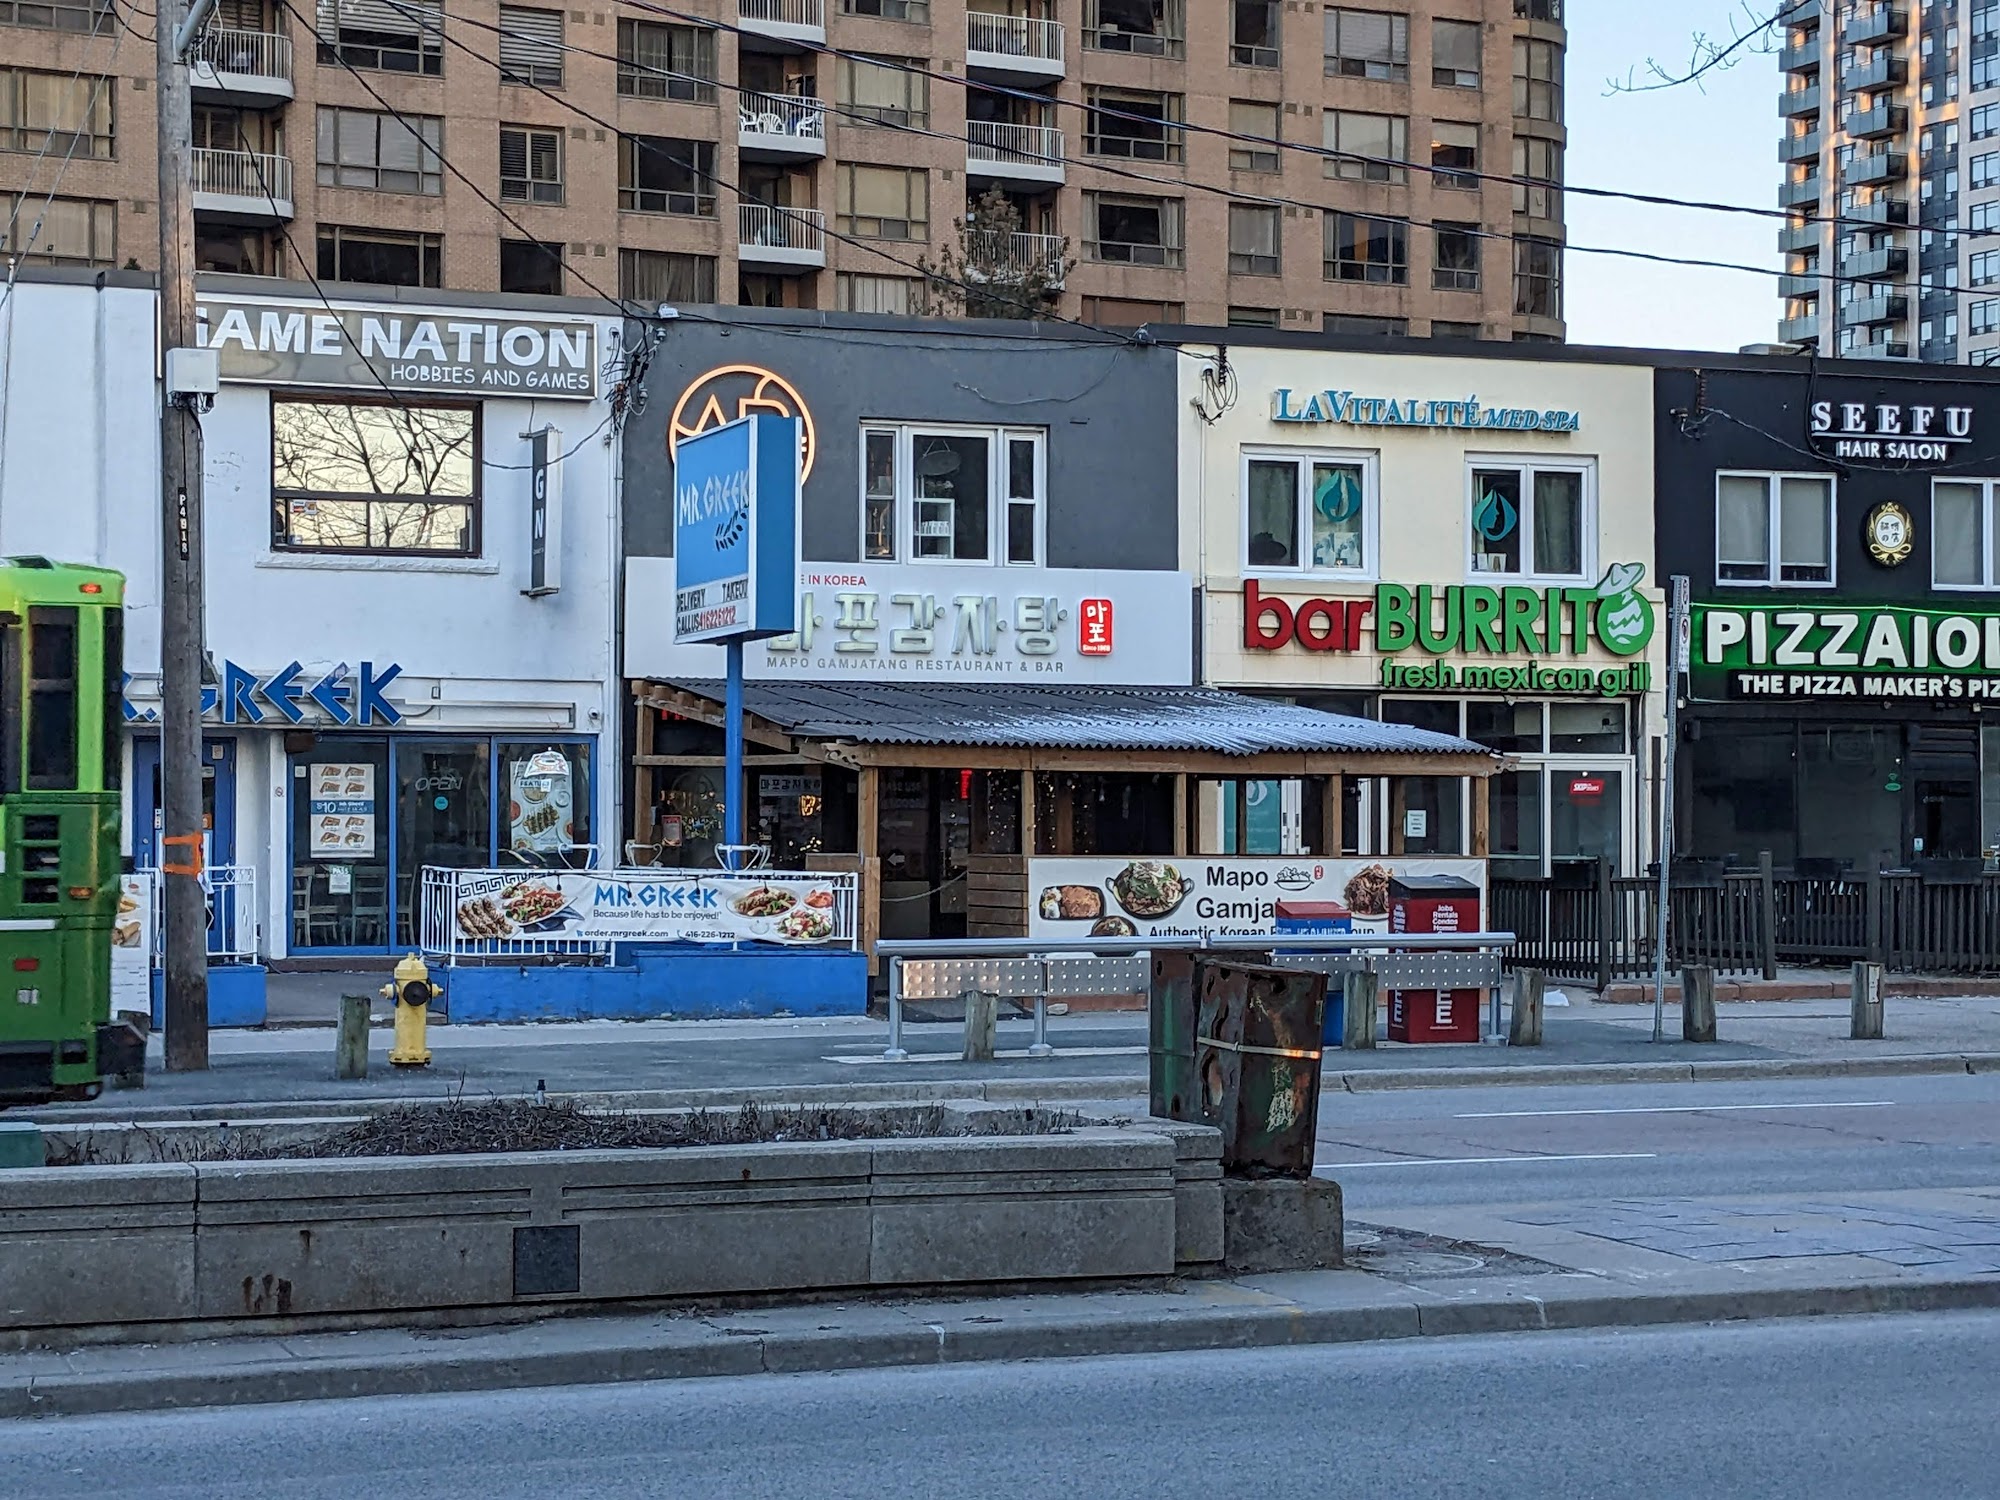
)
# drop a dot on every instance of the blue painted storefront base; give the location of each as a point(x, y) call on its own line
point(685, 983)
point(235, 996)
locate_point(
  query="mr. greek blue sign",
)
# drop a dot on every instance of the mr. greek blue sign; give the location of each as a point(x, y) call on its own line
point(1346, 409)
point(736, 495)
point(292, 695)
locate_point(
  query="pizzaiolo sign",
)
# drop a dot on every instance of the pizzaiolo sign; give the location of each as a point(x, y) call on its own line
point(1522, 624)
point(1780, 651)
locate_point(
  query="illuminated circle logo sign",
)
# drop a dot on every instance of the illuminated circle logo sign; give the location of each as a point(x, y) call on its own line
point(731, 391)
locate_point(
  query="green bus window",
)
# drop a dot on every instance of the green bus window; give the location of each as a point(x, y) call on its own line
point(114, 696)
point(10, 703)
point(52, 702)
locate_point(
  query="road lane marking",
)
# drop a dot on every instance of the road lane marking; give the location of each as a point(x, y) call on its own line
point(1481, 1161)
point(1668, 1109)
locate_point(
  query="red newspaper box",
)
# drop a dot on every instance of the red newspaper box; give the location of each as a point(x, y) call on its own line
point(1433, 903)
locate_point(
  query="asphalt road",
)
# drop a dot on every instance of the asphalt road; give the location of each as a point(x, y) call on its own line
point(1874, 1408)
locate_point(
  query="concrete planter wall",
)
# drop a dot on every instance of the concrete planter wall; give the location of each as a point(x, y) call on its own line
point(340, 1240)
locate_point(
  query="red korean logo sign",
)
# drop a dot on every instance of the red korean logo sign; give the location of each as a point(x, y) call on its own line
point(1093, 627)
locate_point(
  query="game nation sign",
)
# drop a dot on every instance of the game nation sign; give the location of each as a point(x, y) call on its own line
point(1888, 652)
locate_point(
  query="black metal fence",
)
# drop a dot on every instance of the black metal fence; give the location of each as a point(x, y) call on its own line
point(1587, 924)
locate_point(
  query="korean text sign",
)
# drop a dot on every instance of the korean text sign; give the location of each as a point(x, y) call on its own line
point(736, 495)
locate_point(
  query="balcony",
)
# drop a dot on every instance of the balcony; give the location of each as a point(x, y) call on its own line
point(1876, 265)
point(1883, 119)
point(1883, 166)
point(241, 187)
point(1794, 238)
point(1013, 49)
point(1881, 211)
point(1800, 330)
point(230, 66)
point(780, 127)
point(1800, 284)
point(1880, 72)
point(1804, 191)
point(1801, 56)
point(1882, 24)
point(1042, 253)
point(1795, 102)
point(1891, 307)
point(791, 241)
point(1013, 153)
point(1889, 349)
point(781, 25)
point(1799, 147)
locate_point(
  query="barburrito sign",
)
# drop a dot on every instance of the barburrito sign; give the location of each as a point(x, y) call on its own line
point(405, 349)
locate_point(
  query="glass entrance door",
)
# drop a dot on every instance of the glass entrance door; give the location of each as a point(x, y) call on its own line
point(444, 816)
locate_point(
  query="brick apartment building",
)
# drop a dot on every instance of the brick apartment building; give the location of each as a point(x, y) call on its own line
point(761, 152)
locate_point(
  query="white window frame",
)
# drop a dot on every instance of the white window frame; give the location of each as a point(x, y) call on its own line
point(1371, 511)
point(1528, 465)
point(998, 439)
point(1773, 479)
point(1989, 573)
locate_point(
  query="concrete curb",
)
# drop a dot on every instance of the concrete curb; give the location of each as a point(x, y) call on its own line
point(670, 1350)
point(1727, 1069)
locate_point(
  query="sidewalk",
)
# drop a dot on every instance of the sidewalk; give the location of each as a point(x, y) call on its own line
point(1427, 1273)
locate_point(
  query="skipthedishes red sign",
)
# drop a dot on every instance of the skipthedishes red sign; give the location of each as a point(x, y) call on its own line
point(1586, 788)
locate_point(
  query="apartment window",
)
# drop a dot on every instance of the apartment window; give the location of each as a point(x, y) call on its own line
point(885, 91)
point(1140, 126)
point(1309, 512)
point(531, 266)
point(1539, 10)
point(1361, 248)
point(1444, 329)
point(1254, 236)
point(1253, 317)
point(1531, 520)
point(531, 46)
point(1985, 316)
point(1247, 117)
point(1367, 44)
point(1538, 72)
point(1980, 218)
point(92, 16)
point(1983, 268)
point(362, 148)
point(952, 494)
point(1454, 155)
point(657, 61)
point(898, 295)
point(1538, 164)
point(1455, 54)
point(1985, 121)
point(1774, 529)
point(531, 164)
point(1456, 264)
point(237, 252)
point(47, 231)
point(380, 257)
point(1985, 169)
point(661, 174)
point(358, 476)
point(1371, 147)
point(56, 113)
point(1133, 231)
point(1148, 28)
point(883, 203)
point(407, 37)
point(1962, 534)
point(1537, 278)
point(1130, 312)
point(1253, 33)
point(916, 12)
point(656, 276)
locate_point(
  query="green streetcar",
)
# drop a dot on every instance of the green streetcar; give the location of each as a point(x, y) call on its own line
point(61, 695)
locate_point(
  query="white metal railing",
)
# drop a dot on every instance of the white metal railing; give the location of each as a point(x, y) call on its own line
point(242, 174)
point(810, 13)
point(228, 49)
point(782, 115)
point(781, 228)
point(1041, 253)
point(230, 893)
point(1014, 36)
point(1021, 145)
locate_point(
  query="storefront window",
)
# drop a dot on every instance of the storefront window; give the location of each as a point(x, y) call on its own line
point(1962, 553)
point(1514, 823)
point(340, 845)
point(1439, 715)
point(996, 812)
point(1845, 771)
point(791, 809)
point(1587, 727)
point(1774, 528)
point(1586, 816)
point(1095, 813)
point(548, 802)
point(1306, 512)
point(443, 815)
point(348, 476)
point(1742, 782)
point(955, 494)
point(1424, 815)
point(1505, 726)
point(1530, 520)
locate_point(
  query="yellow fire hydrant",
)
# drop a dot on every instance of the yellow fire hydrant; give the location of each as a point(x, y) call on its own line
point(413, 992)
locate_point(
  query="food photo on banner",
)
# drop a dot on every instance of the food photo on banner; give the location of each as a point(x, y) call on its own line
point(560, 906)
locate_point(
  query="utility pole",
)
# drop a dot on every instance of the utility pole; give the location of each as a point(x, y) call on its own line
point(181, 833)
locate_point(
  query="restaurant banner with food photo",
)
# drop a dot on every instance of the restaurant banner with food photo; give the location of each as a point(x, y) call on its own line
point(1218, 895)
point(342, 808)
point(654, 907)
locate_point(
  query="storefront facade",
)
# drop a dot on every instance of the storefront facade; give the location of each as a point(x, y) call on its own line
point(1455, 544)
point(409, 565)
point(1837, 527)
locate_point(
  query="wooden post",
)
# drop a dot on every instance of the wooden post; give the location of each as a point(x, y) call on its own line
point(350, 1045)
point(1399, 797)
point(1698, 1004)
point(1028, 835)
point(1181, 820)
point(868, 838)
point(1524, 1026)
point(1481, 815)
point(1767, 915)
point(982, 1014)
point(1606, 925)
point(1062, 837)
point(1242, 788)
point(1357, 1006)
point(643, 774)
point(1331, 810)
point(1867, 1017)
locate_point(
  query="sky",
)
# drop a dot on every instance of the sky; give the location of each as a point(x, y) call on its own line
point(1717, 142)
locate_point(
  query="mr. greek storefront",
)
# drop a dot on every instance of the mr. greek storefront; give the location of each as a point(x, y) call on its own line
point(1459, 544)
point(1837, 524)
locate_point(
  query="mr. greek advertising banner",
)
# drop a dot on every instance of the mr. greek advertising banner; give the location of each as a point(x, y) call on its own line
point(1828, 651)
point(626, 906)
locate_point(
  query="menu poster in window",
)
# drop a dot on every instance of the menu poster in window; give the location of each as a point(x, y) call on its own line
point(132, 944)
point(340, 822)
point(540, 815)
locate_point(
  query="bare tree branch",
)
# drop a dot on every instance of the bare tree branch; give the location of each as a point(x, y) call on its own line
point(1757, 31)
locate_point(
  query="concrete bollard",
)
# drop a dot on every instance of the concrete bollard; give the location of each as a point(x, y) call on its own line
point(1524, 1027)
point(982, 1022)
point(1867, 1025)
point(350, 1043)
point(1358, 993)
point(1698, 1004)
